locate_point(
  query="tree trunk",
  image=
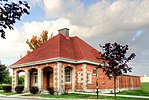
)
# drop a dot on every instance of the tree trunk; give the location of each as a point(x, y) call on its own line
point(114, 87)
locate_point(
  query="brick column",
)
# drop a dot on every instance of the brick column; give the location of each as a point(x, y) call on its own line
point(14, 80)
point(84, 77)
point(61, 78)
point(57, 78)
point(55, 72)
point(26, 80)
point(40, 79)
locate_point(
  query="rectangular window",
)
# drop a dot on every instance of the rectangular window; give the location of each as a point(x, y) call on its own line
point(94, 71)
point(67, 75)
point(89, 77)
point(36, 79)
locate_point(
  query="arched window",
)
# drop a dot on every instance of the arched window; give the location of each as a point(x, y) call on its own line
point(68, 74)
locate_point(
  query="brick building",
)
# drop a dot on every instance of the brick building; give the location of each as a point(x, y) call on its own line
point(67, 64)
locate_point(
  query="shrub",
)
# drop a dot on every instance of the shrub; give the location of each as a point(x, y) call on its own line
point(51, 90)
point(19, 89)
point(1, 87)
point(34, 89)
point(7, 88)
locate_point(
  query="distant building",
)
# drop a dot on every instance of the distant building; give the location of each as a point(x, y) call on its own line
point(67, 64)
point(144, 78)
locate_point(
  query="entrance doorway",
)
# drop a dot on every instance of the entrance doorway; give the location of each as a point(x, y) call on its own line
point(47, 77)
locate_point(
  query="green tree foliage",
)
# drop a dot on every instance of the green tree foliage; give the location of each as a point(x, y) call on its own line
point(8, 79)
point(4, 74)
point(115, 60)
point(21, 80)
point(10, 13)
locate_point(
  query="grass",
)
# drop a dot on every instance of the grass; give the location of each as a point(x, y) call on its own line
point(144, 91)
point(80, 96)
point(7, 93)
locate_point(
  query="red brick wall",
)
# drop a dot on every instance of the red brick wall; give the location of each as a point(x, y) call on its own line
point(124, 81)
point(78, 68)
point(130, 82)
point(103, 81)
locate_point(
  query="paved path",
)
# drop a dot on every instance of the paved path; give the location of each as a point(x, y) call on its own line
point(130, 96)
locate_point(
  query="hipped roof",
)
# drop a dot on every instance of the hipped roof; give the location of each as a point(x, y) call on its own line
point(63, 47)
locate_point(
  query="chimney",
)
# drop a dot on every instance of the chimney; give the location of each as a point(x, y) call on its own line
point(65, 31)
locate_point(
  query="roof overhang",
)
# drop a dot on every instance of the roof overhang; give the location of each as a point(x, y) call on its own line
point(58, 59)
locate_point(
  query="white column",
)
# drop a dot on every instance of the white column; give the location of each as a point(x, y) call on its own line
point(84, 77)
point(26, 80)
point(59, 74)
point(40, 79)
point(73, 79)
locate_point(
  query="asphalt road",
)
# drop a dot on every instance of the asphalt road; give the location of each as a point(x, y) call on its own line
point(9, 98)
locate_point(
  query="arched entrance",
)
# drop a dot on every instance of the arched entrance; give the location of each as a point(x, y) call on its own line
point(20, 77)
point(47, 77)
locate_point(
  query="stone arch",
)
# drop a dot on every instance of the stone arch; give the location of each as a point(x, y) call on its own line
point(48, 77)
point(20, 70)
point(20, 75)
point(32, 68)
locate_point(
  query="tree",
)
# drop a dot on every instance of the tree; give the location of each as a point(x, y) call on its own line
point(4, 73)
point(9, 13)
point(115, 60)
point(35, 41)
point(8, 79)
point(21, 80)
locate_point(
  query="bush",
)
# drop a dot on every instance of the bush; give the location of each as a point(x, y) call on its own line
point(34, 89)
point(19, 89)
point(51, 90)
point(7, 88)
point(1, 87)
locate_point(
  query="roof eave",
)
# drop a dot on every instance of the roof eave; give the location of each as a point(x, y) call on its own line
point(57, 59)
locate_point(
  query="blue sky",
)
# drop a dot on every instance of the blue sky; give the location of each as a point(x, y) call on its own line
point(94, 21)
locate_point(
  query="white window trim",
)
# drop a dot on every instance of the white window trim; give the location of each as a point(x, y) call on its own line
point(89, 77)
point(35, 84)
point(80, 77)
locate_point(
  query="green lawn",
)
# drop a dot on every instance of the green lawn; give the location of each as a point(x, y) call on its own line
point(6, 93)
point(81, 96)
point(144, 91)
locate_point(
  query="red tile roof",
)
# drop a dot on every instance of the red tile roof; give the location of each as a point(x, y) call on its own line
point(62, 46)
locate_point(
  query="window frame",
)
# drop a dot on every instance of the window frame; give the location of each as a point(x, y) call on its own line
point(89, 77)
point(94, 69)
point(68, 76)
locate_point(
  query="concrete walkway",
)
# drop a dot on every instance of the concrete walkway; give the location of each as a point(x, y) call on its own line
point(129, 96)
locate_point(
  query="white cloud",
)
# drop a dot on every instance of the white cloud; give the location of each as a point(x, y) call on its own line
point(101, 22)
point(12, 45)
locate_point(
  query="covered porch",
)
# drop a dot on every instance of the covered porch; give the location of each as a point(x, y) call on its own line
point(58, 78)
